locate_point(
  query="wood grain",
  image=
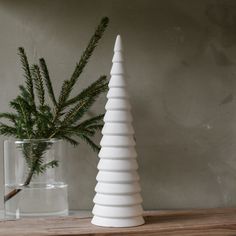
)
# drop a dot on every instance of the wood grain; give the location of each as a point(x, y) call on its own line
point(211, 222)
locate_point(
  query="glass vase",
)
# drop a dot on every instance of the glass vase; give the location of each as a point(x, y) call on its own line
point(34, 183)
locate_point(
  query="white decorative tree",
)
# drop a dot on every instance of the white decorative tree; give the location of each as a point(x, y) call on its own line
point(118, 200)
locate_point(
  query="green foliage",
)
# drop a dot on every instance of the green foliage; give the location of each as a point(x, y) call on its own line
point(27, 74)
point(47, 80)
point(68, 84)
point(34, 156)
point(39, 86)
point(62, 118)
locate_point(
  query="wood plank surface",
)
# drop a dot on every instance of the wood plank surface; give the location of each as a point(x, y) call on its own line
point(211, 222)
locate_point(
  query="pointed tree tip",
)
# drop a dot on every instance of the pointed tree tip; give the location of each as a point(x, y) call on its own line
point(118, 44)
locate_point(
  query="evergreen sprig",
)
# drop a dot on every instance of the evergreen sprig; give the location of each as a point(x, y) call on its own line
point(39, 86)
point(47, 80)
point(68, 84)
point(35, 118)
point(27, 74)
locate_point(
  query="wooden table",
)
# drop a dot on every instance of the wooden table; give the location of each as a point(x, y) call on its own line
point(211, 222)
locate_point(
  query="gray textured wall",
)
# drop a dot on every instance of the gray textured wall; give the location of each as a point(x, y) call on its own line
point(181, 61)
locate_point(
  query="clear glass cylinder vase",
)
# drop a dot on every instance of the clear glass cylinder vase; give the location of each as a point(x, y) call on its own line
point(34, 182)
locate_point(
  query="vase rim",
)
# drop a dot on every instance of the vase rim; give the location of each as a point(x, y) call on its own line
point(51, 140)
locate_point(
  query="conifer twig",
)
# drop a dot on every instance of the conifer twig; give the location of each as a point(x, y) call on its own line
point(33, 118)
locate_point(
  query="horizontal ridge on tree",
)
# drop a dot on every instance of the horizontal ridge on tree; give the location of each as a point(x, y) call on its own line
point(118, 104)
point(118, 222)
point(117, 152)
point(117, 211)
point(118, 57)
point(117, 92)
point(118, 188)
point(118, 129)
point(117, 176)
point(117, 141)
point(117, 81)
point(117, 200)
point(118, 116)
point(117, 68)
point(117, 165)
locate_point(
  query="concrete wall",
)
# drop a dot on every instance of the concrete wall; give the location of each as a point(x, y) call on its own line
point(181, 61)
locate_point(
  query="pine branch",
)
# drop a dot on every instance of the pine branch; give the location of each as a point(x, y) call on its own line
point(24, 93)
point(69, 140)
point(91, 121)
point(33, 120)
point(27, 73)
point(7, 130)
point(24, 119)
point(84, 131)
point(47, 80)
point(42, 168)
point(96, 88)
point(94, 146)
point(95, 127)
point(68, 84)
point(34, 155)
point(70, 115)
point(9, 116)
point(36, 74)
point(78, 112)
point(44, 123)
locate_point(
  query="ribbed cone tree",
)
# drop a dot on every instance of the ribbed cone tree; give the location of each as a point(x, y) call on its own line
point(118, 200)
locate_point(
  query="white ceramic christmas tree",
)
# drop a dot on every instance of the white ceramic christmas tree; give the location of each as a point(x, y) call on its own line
point(118, 200)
